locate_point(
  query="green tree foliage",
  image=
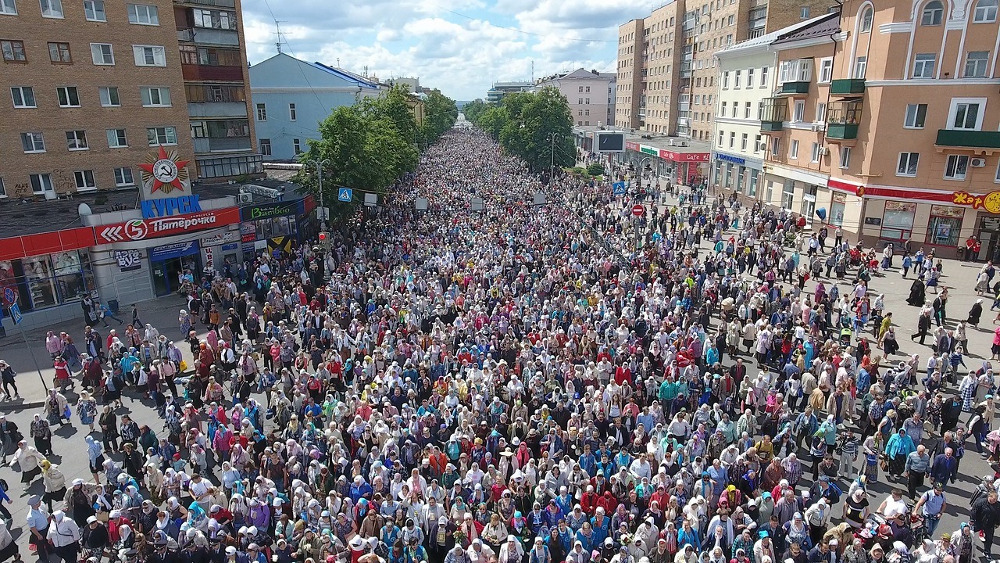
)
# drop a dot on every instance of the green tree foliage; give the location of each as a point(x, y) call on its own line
point(536, 126)
point(474, 109)
point(440, 115)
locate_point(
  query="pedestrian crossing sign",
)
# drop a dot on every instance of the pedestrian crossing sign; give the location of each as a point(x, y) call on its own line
point(618, 188)
point(345, 194)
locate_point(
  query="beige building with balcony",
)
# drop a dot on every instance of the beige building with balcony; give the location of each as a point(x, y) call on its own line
point(591, 95)
point(909, 149)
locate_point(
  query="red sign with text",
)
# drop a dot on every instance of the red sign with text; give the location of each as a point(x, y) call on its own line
point(683, 156)
point(142, 229)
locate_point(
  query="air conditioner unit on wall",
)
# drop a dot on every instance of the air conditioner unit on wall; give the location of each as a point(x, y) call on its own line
point(244, 199)
point(978, 162)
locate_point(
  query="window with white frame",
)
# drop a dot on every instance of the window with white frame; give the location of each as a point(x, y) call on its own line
point(24, 96)
point(725, 80)
point(825, 70)
point(956, 167)
point(732, 139)
point(746, 110)
point(149, 55)
point(32, 142)
point(722, 136)
point(117, 139)
point(845, 157)
point(296, 146)
point(736, 79)
point(799, 110)
point(293, 113)
point(816, 152)
point(996, 178)
point(986, 11)
point(3, 189)
point(907, 165)
point(261, 112)
point(42, 184)
point(932, 14)
point(265, 146)
point(155, 96)
point(976, 63)
point(51, 8)
point(102, 53)
point(68, 97)
point(793, 152)
point(85, 180)
point(860, 67)
point(123, 177)
point(820, 112)
point(923, 65)
point(788, 194)
point(916, 115)
point(866, 20)
point(159, 136)
point(763, 77)
point(94, 10)
point(750, 83)
point(8, 7)
point(804, 13)
point(744, 139)
point(109, 96)
point(77, 140)
point(143, 14)
point(966, 114)
point(775, 146)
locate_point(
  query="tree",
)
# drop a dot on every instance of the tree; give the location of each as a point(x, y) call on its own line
point(440, 116)
point(473, 110)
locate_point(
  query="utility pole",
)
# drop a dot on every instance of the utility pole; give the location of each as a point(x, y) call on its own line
point(552, 156)
point(319, 178)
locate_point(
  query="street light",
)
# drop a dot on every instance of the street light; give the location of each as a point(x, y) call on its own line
point(319, 176)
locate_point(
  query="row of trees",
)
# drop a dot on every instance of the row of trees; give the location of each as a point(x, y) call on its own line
point(371, 144)
point(536, 126)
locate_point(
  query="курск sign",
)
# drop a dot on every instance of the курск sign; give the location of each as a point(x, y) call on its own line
point(166, 207)
point(142, 229)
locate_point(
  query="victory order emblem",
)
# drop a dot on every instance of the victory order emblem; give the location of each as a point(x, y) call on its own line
point(165, 172)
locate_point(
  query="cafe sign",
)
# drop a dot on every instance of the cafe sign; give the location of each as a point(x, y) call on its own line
point(990, 202)
point(268, 210)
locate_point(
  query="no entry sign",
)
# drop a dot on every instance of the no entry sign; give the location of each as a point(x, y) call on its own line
point(638, 210)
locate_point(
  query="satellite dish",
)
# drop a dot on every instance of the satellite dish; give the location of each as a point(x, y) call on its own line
point(83, 209)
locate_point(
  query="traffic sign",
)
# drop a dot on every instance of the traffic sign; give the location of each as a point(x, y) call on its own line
point(15, 313)
point(618, 188)
point(9, 297)
point(638, 210)
point(323, 213)
point(345, 194)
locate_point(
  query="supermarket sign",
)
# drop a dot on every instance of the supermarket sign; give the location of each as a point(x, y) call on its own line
point(143, 229)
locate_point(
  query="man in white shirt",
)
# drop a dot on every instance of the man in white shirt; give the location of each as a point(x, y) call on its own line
point(65, 537)
point(893, 505)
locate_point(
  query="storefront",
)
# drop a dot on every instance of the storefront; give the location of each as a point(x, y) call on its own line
point(48, 280)
point(737, 173)
point(688, 168)
point(275, 225)
point(169, 261)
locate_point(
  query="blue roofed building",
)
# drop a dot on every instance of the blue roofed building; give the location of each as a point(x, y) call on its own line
point(291, 98)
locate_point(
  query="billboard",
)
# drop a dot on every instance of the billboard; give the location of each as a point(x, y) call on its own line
point(609, 141)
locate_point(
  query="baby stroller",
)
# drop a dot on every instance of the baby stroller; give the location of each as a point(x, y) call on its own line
point(846, 335)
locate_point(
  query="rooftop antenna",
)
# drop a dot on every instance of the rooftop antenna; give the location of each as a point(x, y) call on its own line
point(277, 33)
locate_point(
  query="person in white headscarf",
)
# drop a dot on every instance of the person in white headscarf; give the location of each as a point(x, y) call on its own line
point(64, 535)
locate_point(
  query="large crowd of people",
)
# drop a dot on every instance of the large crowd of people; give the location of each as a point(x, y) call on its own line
point(522, 384)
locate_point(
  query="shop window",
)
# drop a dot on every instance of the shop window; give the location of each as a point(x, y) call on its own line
point(897, 220)
point(787, 194)
point(48, 280)
point(945, 225)
point(752, 186)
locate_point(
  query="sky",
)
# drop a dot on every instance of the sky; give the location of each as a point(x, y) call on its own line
point(458, 46)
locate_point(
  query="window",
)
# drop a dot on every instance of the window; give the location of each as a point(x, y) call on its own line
point(845, 157)
point(13, 51)
point(749, 78)
point(820, 112)
point(732, 139)
point(763, 77)
point(966, 114)
point(775, 146)
point(123, 177)
point(804, 12)
point(8, 7)
point(580, 91)
point(117, 139)
point(746, 110)
point(907, 164)
point(143, 14)
point(161, 136)
point(149, 55)
point(292, 114)
point(916, 114)
point(923, 65)
point(825, 70)
point(725, 105)
point(799, 110)
point(41, 184)
point(85, 180)
point(102, 54)
point(794, 151)
point(215, 19)
point(68, 97)
point(736, 79)
point(816, 152)
point(76, 140)
point(155, 96)
point(975, 64)
point(265, 146)
point(986, 11)
point(866, 19)
point(744, 139)
point(261, 112)
point(24, 96)
point(860, 67)
point(51, 8)
point(32, 142)
point(59, 53)
point(722, 136)
point(725, 80)
point(109, 96)
point(94, 10)
point(788, 194)
point(932, 14)
point(956, 167)
point(296, 146)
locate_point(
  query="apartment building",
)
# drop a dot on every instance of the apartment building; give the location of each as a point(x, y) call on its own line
point(92, 88)
point(217, 86)
point(666, 61)
point(884, 122)
point(591, 95)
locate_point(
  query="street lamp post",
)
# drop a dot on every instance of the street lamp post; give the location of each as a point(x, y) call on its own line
point(319, 177)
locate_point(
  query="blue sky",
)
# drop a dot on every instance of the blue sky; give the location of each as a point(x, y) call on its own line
point(459, 46)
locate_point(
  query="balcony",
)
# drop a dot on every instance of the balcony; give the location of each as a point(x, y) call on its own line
point(221, 144)
point(970, 139)
point(793, 88)
point(209, 36)
point(843, 120)
point(208, 73)
point(847, 86)
point(217, 109)
point(774, 112)
point(216, 3)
